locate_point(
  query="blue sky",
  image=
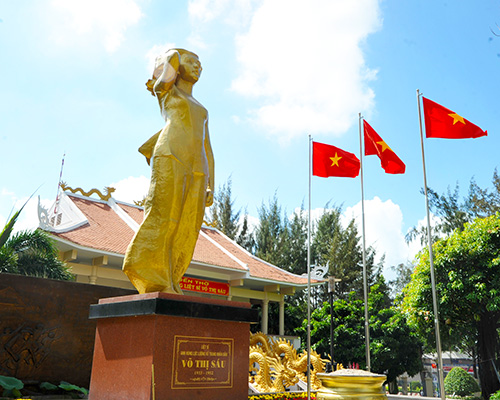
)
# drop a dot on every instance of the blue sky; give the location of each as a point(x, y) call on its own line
point(73, 73)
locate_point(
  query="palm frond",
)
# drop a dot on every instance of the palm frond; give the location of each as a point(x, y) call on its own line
point(7, 230)
point(8, 261)
point(43, 267)
point(33, 242)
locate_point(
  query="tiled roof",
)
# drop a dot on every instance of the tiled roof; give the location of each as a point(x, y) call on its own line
point(106, 231)
point(258, 268)
point(134, 212)
point(205, 252)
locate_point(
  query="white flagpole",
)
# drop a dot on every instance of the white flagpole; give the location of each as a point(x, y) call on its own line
point(59, 184)
point(431, 261)
point(309, 279)
point(365, 279)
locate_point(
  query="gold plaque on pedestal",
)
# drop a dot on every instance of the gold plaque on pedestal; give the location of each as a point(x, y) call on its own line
point(202, 362)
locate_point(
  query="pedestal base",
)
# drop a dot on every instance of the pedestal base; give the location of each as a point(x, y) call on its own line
point(162, 346)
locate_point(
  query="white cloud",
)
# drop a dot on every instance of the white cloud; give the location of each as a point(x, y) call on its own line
point(206, 10)
point(101, 21)
point(304, 61)
point(384, 230)
point(131, 188)
point(6, 192)
point(233, 12)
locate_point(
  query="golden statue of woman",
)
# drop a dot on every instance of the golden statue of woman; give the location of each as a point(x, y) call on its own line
point(182, 179)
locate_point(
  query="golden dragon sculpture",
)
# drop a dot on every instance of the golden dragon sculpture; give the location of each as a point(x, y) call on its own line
point(106, 197)
point(275, 364)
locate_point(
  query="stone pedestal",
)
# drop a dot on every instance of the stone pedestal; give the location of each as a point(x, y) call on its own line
point(163, 346)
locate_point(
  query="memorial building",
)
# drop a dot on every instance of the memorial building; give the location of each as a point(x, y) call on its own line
point(92, 231)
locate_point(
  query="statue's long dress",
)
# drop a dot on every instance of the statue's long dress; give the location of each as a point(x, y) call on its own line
point(163, 247)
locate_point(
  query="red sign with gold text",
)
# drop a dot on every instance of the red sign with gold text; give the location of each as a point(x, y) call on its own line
point(202, 286)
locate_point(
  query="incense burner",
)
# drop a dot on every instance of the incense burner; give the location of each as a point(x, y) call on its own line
point(350, 384)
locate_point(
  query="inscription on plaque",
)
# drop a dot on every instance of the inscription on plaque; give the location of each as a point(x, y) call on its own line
point(201, 362)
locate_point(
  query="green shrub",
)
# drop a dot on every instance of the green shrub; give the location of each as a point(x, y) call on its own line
point(460, 383)
point(76, 392)
point(495, 396)
point(416, 387)
point(11, 386)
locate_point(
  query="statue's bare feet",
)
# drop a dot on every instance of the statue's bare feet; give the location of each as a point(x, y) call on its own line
point(169, 289)
point(177, 288)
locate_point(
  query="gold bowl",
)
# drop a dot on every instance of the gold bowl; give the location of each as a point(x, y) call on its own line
point(350, 384)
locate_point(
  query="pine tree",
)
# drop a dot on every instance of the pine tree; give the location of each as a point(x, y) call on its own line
point(245, 236)
point(223, 215)
point(295, 258)
point(341, 249)
point(270, 236)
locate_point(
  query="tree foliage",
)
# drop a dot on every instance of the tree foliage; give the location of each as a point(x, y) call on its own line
point(245, 236)
point(295, 255)
point(467, 266)
point(403, 277)
point(453, 213)
point(460, 383)
point(394, 345)
point(31, 253)
point(341, 249)
point(271, 234)
point(485, 202)
point(223, 215)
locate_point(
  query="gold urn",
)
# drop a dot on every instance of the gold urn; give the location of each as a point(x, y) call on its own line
point(351, 384)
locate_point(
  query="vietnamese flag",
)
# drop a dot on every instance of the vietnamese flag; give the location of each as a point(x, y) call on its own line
point(443, 123)
point(374, 145)
point(332, 161)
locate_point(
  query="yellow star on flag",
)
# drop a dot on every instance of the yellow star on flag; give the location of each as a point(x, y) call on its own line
point(335, 160)
point(384, 146)
point(457, 118)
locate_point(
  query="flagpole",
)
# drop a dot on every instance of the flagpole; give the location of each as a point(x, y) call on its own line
point(365, 280)
point(431, 261)
point(309, 279)
point(59, 184)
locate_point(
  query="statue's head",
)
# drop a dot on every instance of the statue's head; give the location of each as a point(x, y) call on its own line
point(189, 68)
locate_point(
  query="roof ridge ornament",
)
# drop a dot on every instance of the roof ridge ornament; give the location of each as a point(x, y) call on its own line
point(212, 224)
point(140, 203)
point(108, 190)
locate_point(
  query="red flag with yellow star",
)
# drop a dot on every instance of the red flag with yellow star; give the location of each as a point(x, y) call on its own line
point(374, 145)
point(443, 123)
point(332, 161)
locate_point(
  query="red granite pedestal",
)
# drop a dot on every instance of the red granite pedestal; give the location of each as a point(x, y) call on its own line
point(162, 346)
